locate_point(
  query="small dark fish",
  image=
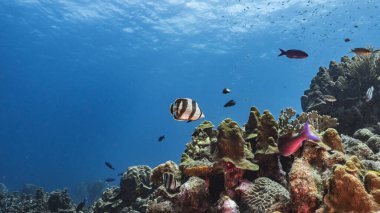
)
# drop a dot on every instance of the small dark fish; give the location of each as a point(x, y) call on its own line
point(161, 138)
point(109, 165)
point(169, 181)
point(186, 109)
point(289, 145)
point(81, 205)
point(298, 54)
point(347, 40)
point(226, 91)
point(230, 103)
point(109, 180)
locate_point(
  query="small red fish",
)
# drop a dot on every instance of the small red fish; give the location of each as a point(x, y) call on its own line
point(290, 145)
point(298, 54)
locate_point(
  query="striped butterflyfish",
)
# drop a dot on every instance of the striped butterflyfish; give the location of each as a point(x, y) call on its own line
point(170, 183)
point(186, 109)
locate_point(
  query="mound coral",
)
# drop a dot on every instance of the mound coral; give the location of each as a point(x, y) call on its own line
point(231, 146)
point(262, 195)
point(355, 198)
point(348, 81)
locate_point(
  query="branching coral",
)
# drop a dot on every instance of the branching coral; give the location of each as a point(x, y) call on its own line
point(347, 192)
point(319, 122)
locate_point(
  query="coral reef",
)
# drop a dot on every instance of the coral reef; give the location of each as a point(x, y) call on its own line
point(348, 82)
point(261, 195)
point(231, 146)
point(303, 187)
point(135, 187)
point(57, 201)
point(168, 167)
point(232, 169)
point(354, 198)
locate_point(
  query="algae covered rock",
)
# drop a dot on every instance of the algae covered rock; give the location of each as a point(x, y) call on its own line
point(59, 200)
point(363, 134)
point(194, 196)
point(374, 143)
point(231, 146)
point(197, 160)
point(267, 134)
point(348, 82)
point(347, 192)
point(332, 138)
point(136, 183)
point(168, 167)
point(303, 187)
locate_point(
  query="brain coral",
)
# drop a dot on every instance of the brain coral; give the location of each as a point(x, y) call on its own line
point(261, 195)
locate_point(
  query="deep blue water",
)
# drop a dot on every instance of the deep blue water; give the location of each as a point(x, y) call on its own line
point(83, 82)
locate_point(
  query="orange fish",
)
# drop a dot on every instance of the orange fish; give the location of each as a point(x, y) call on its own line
point(362, 51)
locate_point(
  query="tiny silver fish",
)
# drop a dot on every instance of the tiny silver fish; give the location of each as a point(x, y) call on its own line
point(369, 94)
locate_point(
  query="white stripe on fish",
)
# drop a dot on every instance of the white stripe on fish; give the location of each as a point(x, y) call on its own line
point(170, 183)
point(186, 109)
point(369, 94)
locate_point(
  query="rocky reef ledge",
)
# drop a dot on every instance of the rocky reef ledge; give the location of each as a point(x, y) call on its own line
point(234, 169)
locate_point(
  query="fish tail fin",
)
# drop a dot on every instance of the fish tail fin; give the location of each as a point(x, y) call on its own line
point(308, 134)
point(283, 52)
point(172, 108)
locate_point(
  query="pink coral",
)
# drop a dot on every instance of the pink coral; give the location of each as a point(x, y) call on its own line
point(232, 175)
point(303, 187)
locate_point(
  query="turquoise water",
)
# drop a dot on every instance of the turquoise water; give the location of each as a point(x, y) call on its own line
point(84, 82)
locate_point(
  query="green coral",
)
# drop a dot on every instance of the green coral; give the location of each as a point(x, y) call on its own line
point(231, 146)
point(267, 134)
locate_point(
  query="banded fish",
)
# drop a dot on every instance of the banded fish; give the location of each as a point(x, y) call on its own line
point(170, 183)
point(289, 145)
point(369, 94)
point(298, 54)
point(186, 109)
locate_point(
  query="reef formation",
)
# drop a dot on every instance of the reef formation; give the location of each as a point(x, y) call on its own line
point(348, 82)
point(232, 169)
point(39, 201)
